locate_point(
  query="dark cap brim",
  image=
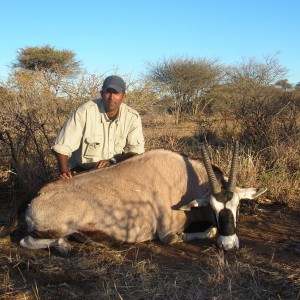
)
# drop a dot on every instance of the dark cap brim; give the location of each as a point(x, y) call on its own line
point(114, 87)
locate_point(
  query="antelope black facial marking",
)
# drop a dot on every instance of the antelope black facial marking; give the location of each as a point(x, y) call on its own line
point(224, 196)
point(225, 205)
point(226, 222)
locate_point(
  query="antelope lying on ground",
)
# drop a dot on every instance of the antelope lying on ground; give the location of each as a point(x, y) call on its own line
point(154, 195)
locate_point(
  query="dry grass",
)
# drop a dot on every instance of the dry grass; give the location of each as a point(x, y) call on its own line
point(266, 266)
point(276, 167)
point(145, 271)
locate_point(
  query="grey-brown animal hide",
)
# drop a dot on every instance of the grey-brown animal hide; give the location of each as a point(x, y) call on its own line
point(134, 201)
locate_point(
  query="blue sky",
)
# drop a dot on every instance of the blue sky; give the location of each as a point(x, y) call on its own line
point(128, 34)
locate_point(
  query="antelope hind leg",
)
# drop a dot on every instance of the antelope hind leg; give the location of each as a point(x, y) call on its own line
point(33, 243)
point(61, 244)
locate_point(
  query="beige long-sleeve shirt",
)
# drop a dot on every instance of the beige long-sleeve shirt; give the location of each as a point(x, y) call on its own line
point(89, 135)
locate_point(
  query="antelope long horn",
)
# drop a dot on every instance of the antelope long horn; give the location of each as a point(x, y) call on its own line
point(233, 168)
point(216, 187)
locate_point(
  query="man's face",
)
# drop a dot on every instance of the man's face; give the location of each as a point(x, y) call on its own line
point(112, 100)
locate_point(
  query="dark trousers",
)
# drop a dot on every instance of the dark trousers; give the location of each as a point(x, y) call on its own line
point(78, 169)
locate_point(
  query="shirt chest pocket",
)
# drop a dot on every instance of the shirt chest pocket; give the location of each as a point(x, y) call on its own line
point(120, 143)
point(93, 146)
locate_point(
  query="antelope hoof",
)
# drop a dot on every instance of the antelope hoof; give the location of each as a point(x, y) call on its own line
point(211, 232)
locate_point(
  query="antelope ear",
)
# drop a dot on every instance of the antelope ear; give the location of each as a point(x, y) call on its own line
point(260, 191)
point(195, 203)
point(250, 193)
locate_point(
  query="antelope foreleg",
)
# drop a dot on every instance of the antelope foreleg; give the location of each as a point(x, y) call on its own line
point(179, 237)
point(208, 233)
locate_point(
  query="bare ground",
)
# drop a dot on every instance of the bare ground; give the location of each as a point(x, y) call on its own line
point(267, 265)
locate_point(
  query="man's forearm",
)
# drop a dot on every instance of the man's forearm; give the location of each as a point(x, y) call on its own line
point(62, 161)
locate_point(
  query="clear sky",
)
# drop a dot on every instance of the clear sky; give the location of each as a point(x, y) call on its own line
point(127, 34)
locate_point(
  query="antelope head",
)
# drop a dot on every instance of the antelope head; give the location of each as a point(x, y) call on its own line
point(224, 202)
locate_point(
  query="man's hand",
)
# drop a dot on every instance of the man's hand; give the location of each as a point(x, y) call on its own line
point(103, 163)
point(118, 158)
point(66, 175)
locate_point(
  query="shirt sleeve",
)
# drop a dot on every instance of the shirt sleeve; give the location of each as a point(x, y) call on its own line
point(69, 138)
point(135, 138)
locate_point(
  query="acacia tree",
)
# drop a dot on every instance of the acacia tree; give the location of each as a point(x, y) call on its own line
point(47, 58)
point(284, 84)
point(187, 81)
point(267, 72)
point(141, 96)
point(264, 112)
point(56, 66)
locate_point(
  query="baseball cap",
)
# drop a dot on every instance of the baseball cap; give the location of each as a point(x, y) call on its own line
point(114, 82)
